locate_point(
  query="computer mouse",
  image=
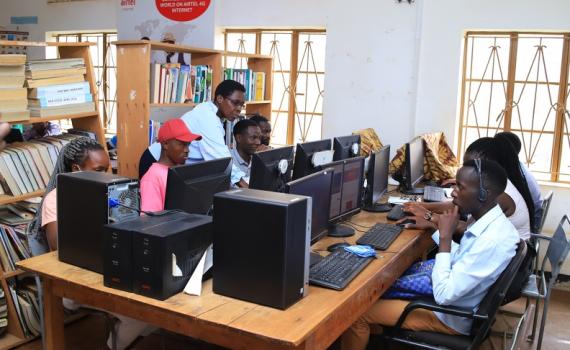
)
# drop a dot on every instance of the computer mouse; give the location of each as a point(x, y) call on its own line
point(407, 221)
point(335, 246)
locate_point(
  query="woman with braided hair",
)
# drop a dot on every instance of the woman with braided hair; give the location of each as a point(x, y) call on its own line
point(80, 154)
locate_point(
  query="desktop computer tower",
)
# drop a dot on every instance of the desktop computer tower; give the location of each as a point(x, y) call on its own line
point(155, 255)
point(261, 246)
point(83, 209)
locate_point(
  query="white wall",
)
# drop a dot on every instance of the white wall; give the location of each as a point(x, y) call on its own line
point(69, 16)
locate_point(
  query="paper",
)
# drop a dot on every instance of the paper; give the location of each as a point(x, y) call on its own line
point(194, 285)
point(176, 271)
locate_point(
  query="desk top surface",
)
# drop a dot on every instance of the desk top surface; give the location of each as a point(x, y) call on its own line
point(313, 322)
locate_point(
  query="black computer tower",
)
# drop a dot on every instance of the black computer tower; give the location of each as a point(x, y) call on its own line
point(186, 236)
point(83, 208)
point(261, 246)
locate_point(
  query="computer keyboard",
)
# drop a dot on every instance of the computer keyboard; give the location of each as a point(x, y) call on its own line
point(396, 213)
point(337, 269)
point(434, 194)
point(380, 236)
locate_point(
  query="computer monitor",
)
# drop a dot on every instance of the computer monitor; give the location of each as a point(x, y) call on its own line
point(346, 194)
point(414, 167)
point(346, 147)
point(304, 162)
point(377, 180)
point(318, 187)
point(271, 170)
point(191, 187)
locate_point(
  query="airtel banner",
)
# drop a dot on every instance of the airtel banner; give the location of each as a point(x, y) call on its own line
point(182, 11)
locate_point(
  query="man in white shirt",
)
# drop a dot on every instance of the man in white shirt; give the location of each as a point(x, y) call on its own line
point(462, 273)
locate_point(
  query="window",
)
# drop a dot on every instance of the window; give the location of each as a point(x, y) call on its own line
point(104, 63)
point(298, 78)
point(518, 81)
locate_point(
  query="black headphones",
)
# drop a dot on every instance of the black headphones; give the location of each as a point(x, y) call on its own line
point(483, 193)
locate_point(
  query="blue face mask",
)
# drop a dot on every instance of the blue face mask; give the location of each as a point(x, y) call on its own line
point(364, 251)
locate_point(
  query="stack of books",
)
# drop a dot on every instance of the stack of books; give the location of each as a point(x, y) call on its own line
point(26, 167)
point(3, 312)
point(58, 87)
point(173, 83)
point(254, 82)
point(25, 295)
point(13, 102)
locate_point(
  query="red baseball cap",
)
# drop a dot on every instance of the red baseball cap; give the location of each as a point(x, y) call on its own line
point(176, 129)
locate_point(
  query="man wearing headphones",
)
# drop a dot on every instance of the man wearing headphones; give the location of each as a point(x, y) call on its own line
point(462, 273)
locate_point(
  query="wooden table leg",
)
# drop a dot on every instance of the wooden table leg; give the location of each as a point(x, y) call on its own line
point(53, 317)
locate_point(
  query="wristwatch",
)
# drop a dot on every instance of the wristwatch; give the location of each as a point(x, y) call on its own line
point(428, 215)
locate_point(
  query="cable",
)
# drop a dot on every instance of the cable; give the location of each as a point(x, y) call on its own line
point(363, 226)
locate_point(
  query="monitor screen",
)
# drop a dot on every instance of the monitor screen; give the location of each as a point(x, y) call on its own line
point(346, 147)
point(414, 162)
point(336, 188)
point(304, 154)
point(271, 170)
point(318, 187)
point(346, 189)
point(377, 176)
point(191, 187)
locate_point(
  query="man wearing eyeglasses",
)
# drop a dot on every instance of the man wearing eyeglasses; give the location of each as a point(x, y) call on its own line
point(207, 119)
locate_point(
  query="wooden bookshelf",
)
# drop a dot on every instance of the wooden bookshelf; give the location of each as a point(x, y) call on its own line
point(133, 92)
point(90, 121)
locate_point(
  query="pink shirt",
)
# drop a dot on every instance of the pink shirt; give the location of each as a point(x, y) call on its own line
point(49, 208)
point(153, 188)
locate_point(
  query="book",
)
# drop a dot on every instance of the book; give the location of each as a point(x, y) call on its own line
point(53, 73)
point(12, 81)
point(69, 89)
point(19, 93)
point(10, 71)
point(12, 59)
point(17, 170)
point(62, 110)
point(54, 63)
point(13, 105)
point(13, 116)
point(52, 100)
point(8, 181)
point(68, 79)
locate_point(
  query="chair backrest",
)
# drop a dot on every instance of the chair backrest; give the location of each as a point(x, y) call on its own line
point(557, 250)
point(545, 207)
point(492, 300)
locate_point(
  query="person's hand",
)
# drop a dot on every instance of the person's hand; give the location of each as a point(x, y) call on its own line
point(242, 184)
point(4, 131)
point(414, 208)
point(448, 183)
point(421, 223)
point(448, 222)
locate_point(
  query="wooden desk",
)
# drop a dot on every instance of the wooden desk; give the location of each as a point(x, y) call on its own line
point(312, 323)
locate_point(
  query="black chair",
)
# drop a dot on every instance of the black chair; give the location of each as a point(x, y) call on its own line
point(483, 318)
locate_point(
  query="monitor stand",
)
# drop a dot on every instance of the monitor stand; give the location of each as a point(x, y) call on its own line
point(378, 207)
point(337, 230)
point(413, 190)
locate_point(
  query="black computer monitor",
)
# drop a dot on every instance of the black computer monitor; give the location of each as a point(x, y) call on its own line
point(304, 157)
point(414, 167)
point(191, 187)
point(377, 180)
point(271, 170)
point(318, 187)
point(346, 194)
point(346, 147)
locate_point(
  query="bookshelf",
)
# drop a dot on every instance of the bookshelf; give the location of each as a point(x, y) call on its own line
point(90, 121)
point(134, 110)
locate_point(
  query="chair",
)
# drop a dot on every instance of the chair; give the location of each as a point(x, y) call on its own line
point(539, 226)
point(537, 287)
point(483, 318)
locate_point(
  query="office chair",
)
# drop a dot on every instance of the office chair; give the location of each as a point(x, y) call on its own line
point(539, 226)
point(483, 318)
point(537, 287)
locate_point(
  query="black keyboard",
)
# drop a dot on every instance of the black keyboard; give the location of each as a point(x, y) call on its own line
point(380, 236)
point(337, 269)
point(434, 194)
point(396, 213)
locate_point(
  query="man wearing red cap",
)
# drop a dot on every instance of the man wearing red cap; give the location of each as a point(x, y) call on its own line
point(174, 137)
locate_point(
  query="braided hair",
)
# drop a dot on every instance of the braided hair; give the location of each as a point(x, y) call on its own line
point(502, 151)
point(75, 152)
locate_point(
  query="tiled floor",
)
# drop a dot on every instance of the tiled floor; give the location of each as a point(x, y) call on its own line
point(89, 333)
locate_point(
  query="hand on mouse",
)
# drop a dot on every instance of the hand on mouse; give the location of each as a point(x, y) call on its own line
point(420, 223)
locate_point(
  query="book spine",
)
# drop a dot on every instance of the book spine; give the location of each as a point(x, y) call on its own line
point(51, 100)
point(74, 88)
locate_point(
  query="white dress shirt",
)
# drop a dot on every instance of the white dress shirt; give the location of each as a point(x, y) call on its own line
point(204, 121)
point(462, 277)
point(534, 190)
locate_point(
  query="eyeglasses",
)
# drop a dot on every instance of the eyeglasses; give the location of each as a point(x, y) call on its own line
point(236, 103)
